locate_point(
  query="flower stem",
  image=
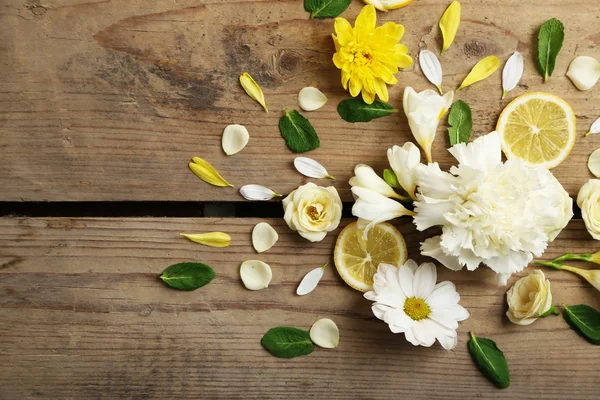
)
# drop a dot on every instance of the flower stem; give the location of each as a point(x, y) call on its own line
point(549, 264)
point(569, 256)
point(551, 311)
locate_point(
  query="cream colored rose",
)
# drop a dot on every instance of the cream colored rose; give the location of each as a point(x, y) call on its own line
point(313, 211)
point(529, 298)
point(588, 200)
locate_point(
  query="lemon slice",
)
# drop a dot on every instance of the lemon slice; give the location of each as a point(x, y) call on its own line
point(538, 128)
point(386, 5)
point(357, 259)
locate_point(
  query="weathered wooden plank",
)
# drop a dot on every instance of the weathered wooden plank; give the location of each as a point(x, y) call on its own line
point(109, 100)
point(83, 315)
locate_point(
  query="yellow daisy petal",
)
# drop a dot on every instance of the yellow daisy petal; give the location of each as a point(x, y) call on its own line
point(366, 20)
point(355, 85)
point(368, 97)
point(344, 31)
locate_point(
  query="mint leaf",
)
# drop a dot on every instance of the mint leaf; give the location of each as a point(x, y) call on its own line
point(550, 41)
point(584, 320)
point(188, 275)
point(287, 342)
point(356, 110)
point(460, 120)
point(299, 134)
point(490, 360)
point(325, 8)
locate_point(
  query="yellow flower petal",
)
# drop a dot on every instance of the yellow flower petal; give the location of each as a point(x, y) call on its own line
point(366, 20)
point(344, 31)
point(203, 170)
point(345, 79)
point(212, 239)
point(252, 89)
point(480, 71)
point(355, 85)
point(382, 90)
point(449, 24)
point(368, 97)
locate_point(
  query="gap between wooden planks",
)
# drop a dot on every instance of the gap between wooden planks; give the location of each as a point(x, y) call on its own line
point(107, 102)
point(83, 315)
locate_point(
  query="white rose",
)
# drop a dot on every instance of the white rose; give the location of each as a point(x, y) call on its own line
point(588, 200)
point(529, 298)
point(313, 211)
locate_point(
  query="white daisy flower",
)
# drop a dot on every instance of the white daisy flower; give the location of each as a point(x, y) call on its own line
point(499, 214)
point(410, 302)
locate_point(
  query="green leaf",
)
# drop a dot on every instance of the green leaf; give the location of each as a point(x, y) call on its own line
point(391, 179)
point(188, 275)
point(585, 320)
point(298, 133)
point(490, 360)
point(356, 110)
point(550, 41)
point(461, 123)
point(287, 342)
point(325, 8)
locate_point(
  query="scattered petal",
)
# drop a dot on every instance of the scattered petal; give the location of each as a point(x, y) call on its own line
point(311, 99)
point(311, 168)
point(480, 71)
point(203, 170)
point(512, 73)
point(449, 24)
point(584, 72)
point(310, 281)
point(325, 333)
point(594, 163)
point(264, 237)
point(252, 89)
point(212, 239)
point(235, 138)
point(256, 275)
point(257, 193)
point(595, 128)
point(431, 67)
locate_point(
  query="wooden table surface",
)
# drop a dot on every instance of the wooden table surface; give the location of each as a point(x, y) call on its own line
point(107, 101)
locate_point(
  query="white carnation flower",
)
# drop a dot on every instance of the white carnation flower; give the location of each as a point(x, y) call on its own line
point(499, 214)
point(410, 302)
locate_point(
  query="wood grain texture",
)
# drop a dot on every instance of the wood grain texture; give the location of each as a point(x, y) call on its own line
point(83, 315)
point(108, 100)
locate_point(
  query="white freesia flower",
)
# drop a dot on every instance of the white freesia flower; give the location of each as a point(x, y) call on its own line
point(410, 302)
point(372, 208)
point(366, 177)
point(404, 161)
point(313, 211)
point(424, 111)
point(588, 200)
point(500, 214)
point(584, 72)
point(529, 298)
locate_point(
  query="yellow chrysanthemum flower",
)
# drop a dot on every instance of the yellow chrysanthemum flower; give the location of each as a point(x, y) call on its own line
point(369, 56)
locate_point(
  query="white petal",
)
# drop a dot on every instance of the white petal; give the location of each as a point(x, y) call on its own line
point(256, 275)
point(406, 277)
point(481, 154)
point(444, 295)
point(263, 237)
point(311, 168)
point(311, 99)
point(257, 192)
point(431, 247)
point(594, 163)
point(431, 68)
point(235, 138)
point(595, 128)
point(366, 177)
point(512, 73)
point(584, 72)
point(424, 280)
point(325, 333)
point(425, 332)
point(310, 281)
